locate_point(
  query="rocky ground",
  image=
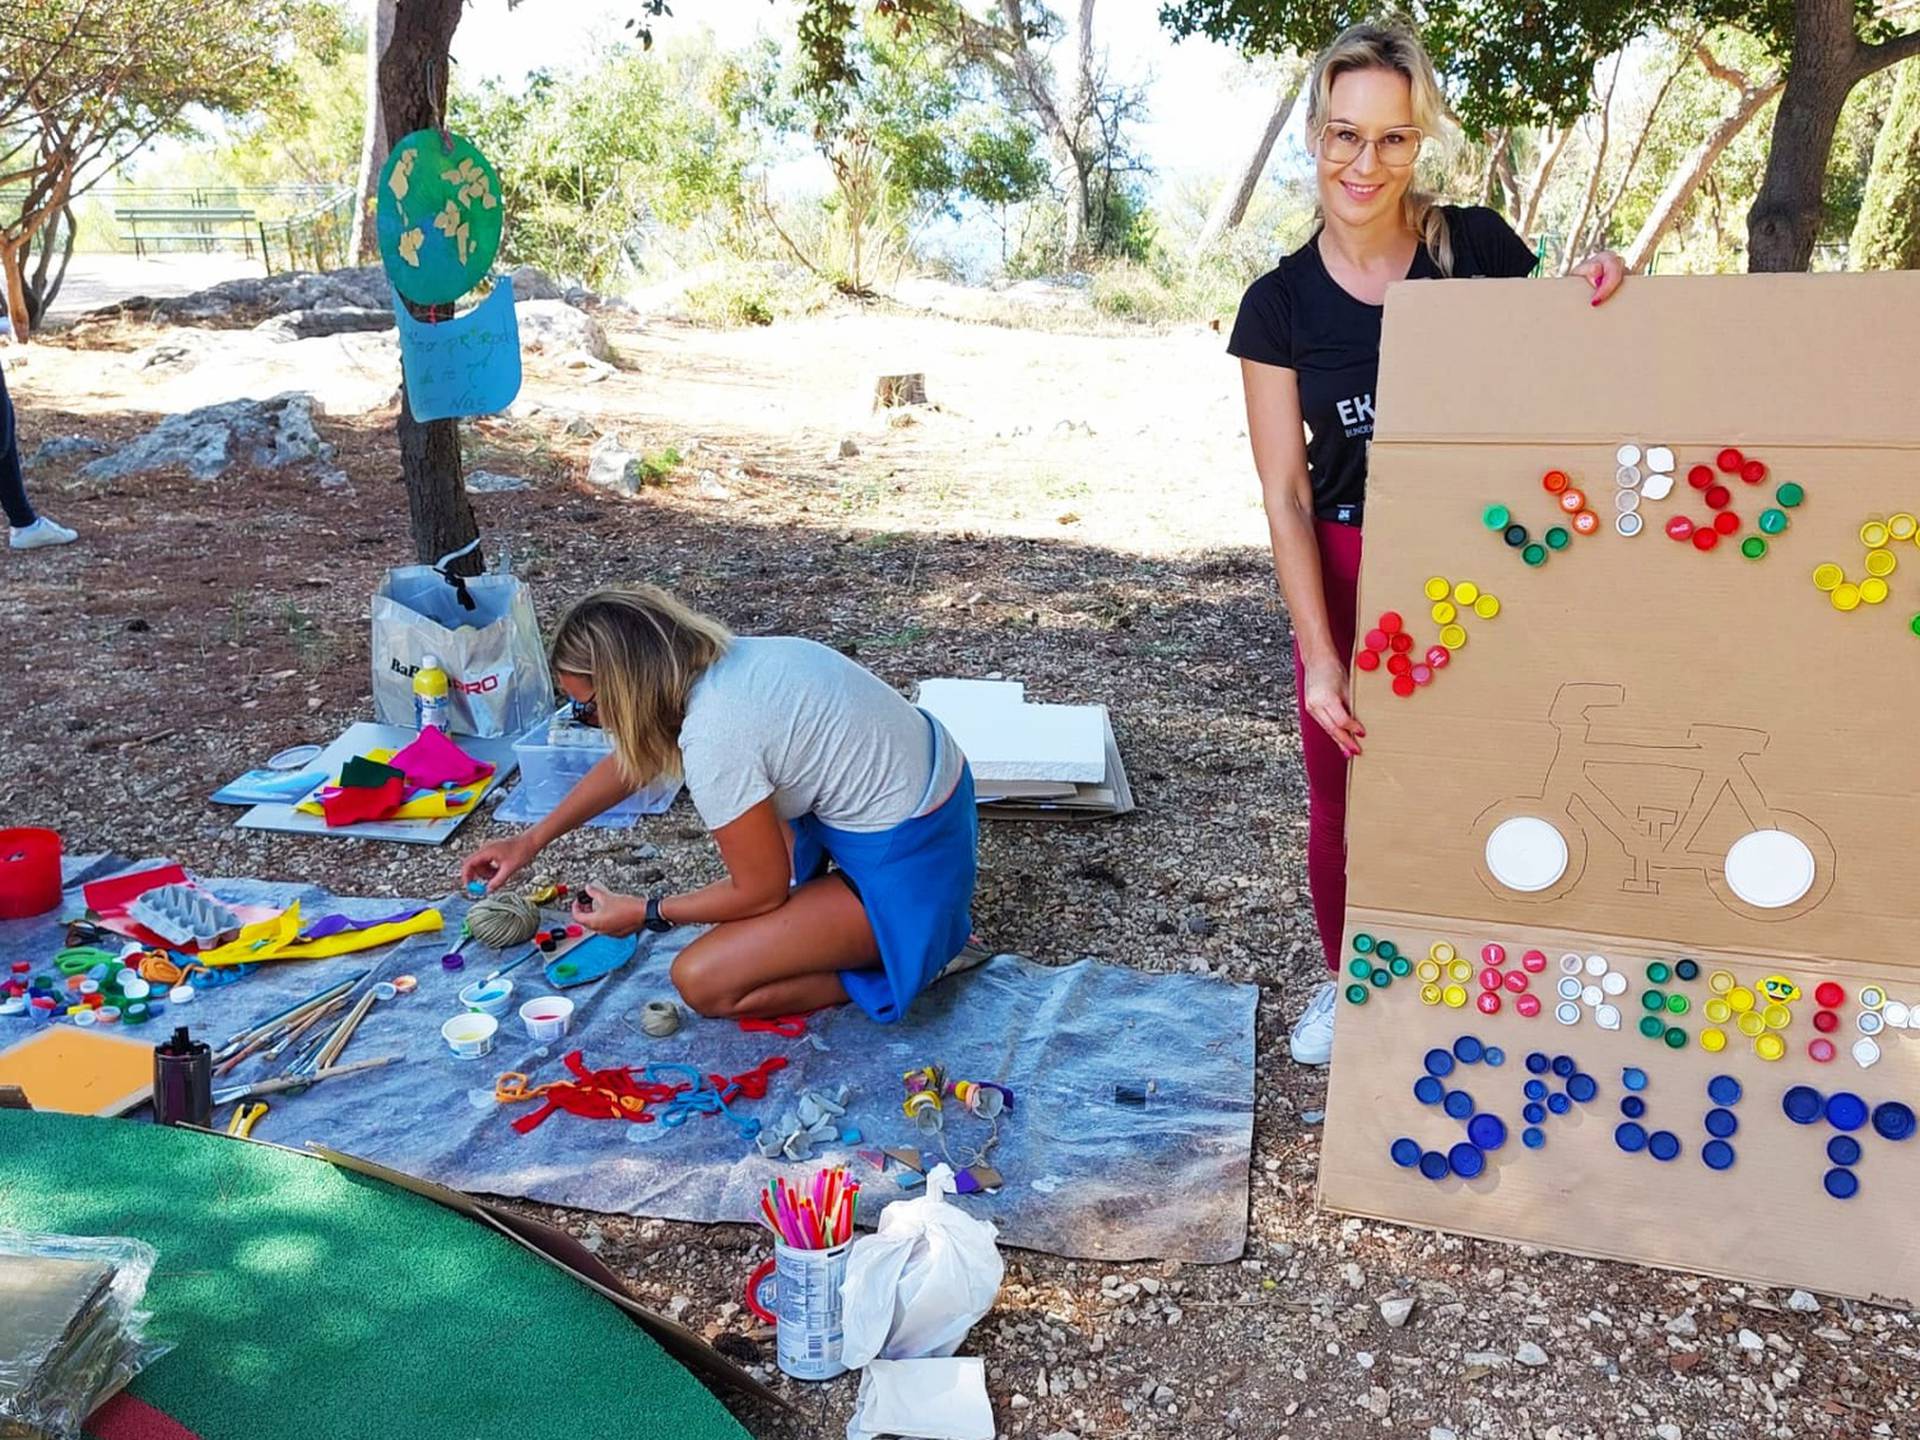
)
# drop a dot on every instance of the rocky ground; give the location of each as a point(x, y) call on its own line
point(1076, 512)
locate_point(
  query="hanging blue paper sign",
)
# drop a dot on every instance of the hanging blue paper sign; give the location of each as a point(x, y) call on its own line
point(469, 365)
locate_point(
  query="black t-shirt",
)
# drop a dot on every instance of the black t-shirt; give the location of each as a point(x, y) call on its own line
point(1296, 316)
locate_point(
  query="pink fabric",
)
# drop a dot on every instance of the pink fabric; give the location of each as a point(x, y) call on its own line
point(433, 760)
point(1326, 765)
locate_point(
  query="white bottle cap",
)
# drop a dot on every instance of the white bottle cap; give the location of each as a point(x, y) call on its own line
point(429, 662)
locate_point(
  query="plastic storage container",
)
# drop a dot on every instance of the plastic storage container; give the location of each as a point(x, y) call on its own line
point(553, 758)
point(30, 871)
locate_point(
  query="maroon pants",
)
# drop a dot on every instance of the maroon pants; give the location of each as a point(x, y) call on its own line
point(1326, 765)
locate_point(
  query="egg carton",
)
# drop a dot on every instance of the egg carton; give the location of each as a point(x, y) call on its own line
point(182, 915)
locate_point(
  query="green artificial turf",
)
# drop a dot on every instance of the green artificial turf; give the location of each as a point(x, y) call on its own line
point(307, 1300)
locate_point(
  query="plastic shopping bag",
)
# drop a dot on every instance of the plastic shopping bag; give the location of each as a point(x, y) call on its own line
point(482, 630)
point(917, 1285)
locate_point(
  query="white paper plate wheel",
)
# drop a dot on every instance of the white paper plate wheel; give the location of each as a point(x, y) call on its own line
point(1767, 868)
point(1528, 854)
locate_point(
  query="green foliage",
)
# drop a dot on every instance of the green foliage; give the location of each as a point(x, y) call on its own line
point(595, 164)
point(753, 293)
point(308, 134)
point(1887, 234)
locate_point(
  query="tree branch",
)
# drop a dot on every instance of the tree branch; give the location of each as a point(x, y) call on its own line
point(1888, 52)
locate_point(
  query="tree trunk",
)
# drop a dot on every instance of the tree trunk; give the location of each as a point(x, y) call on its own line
point(1822, 67)
point(362, 248)
point(1603, 221)
point(1064, 141)
point(1577, 230)
point(413, 80)
point(1537, 186)
point(1887, 234)
point(1230, 208)
point(45, 288)
point(16, 290)
point(1694, 169)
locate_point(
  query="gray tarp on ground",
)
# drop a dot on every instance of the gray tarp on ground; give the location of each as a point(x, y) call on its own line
point(1086, 1176)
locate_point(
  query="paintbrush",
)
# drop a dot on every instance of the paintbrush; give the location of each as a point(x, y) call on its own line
point(298, 1082)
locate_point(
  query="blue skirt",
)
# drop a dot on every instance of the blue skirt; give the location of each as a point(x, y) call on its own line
point(916, 882)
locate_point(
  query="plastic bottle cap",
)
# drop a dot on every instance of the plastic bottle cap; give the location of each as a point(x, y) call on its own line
point(1659, 457)
point(1567, 1012)
point(1656, 487)
point(1438, 657)
point(1628, 525)
point(1828, 576)
point(1627, 477)
point(1843, 1150)
point(1630, 1137)
point(1433, 1165)
point(1591, 995)
point(1627, 455)
point(1893, 1120)
point(1554, 481)
point(1751, 1024)
point(1790, 494)
point(1873, 590)
point(1881, 562)
point(1658, 972)
point(1444, 612)
point(1871, 1022)
point(1585, 522)
point(1705, 537)
point(1718, 497)
point(1439, 1061)
point(1678, 1004)
point(1465, 592)
point(1528, 1005)
point(1653, 1000)
point(1495, 517)
point(1720, 981)
point(1663, 1145)
point(1452, 637)
point(1405, 1153)
point(1753, 547)
point(1675, 1037)
point(1874, 534)
point(1428, 970)
point(1770, 1047)
point(1866, 1052)
point(1466, 1161)
point(1740, 998)
point(1632, 1106)
point(1487, 606)
point(1492, 953)
point(1430, 994)
point(1515, 535)
point(1841, 1184)
point(1455, 996)
point(1514, 980)
point(1460, 968)
point(1570, 987)
point(1488, 1002)
point(1820, 1049)
point(1535, 555)
point(1713, 1041)
point(1356, 994)
point(1534, 961)
point(1903, 526)
point(1826, 1021)
point(1437, 587)
point(1679, 528)
point(1872, 997)
point(1582, 1087)
point(1846, 596)
point(1557, 537)
point(1487, 1132)
point(1572, 501)
point(1729, 460)
point(1773, 522)
point(1458, 1103)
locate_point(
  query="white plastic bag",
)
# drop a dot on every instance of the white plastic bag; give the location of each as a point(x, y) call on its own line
point(481, 629)
point(916, 1285)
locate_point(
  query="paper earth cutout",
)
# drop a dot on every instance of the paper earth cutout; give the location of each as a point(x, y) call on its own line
point(437, 216)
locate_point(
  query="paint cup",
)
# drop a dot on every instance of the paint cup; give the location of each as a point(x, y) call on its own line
point(547, 1017)
point(489, 997)
point(470, 1036)
point(808, 1335)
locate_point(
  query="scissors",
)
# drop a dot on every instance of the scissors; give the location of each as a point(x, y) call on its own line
point(245, 1117)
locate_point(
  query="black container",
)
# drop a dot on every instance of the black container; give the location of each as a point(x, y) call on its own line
point(183, 1082)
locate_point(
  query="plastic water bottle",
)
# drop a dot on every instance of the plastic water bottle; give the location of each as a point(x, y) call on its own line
point(430, 694)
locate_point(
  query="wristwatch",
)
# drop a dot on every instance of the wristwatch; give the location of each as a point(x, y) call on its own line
point(656, 922)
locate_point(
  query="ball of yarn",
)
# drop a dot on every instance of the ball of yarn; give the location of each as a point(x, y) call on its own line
point(659, 1018)
point(503, 920)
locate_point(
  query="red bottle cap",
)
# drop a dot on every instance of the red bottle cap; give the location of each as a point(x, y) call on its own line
point(1391, 622)
point(1726, 522)
point(1705, 539)
point(1679, 527)
point(1718, 497)
point(1700, 476)
point(1821, 1050)
point(1493, 954)
point(1398, 665)
point(1438, 656)
point(1572, 501)
point(1829, 995)
point(1528, 1005)
point(1554, 481)
point(1586, 522)
point(1489, 1002)
point(1367, 660)
point(574, 932)
point(21, 967)
point(1402, 685)
point(1422, 674)
point(1400, 643)
point(1489, 979)
point(1826, 1021)
point(1534, 960)
point(1754, 471)
point(1376, 640)
point(1514, 980)
point(1730, 460)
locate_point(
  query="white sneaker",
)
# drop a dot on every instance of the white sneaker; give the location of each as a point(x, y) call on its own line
point(1312, 1038)
point(41, 532)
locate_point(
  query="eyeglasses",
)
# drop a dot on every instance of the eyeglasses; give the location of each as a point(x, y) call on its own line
point(586, 712)
point(1396, 149)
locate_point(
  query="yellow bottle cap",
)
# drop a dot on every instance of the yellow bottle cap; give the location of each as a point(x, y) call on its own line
point(1487, 606)
point(1740, 998)
point(1828, 576)
point(1465, 592)
point(1444, 613)
point(1455, 996)
point(1751, 1024)
point(1873, 534)
point(1453, 636)
point(1461, 970)
point(1778, 1017)
point(1720, 981)
point(1719, 1011)
point(1428, 970)
point(1769, 1047)
point(1713, 1041)
point(1438, 588)
point(1881, 562)
point(1846, 596)
point(1872, 590)
point(1442, 951)
point(1429, 994)
point(1903, 526)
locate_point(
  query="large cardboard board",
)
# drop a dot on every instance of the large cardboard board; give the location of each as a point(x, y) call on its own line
point(1654, 703)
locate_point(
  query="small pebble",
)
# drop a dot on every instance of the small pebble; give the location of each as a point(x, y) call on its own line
point(1529, 1354)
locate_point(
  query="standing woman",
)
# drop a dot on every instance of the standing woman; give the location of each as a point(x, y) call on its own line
point(844, 815)
point(1308, 341)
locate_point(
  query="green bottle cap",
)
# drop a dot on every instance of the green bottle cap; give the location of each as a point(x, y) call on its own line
point(1652, 1000)
point(1773, 521)
point(1357, 994)
point(1535, 554)
point(1676, 1038)
point(1400, 965)
point(1496, 517)
point(1652, 1027)
point(1363, 942)
point(1359, 968)
point(1381, 979)
point(1658, 973)
point(1678, 1004)
point(1790, 495)
point(1386, 949)
point(1558, 537)
point(1753, 547)
point(1914, 624)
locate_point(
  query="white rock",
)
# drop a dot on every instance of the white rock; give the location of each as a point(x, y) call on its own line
point(1668, 1431)
point(1751, 1343)
point(1803, 1302)
point(1683, 1326)
point(1530, 1354)
point(1441, 1432)
point(556, 327)
point(1395, 1310)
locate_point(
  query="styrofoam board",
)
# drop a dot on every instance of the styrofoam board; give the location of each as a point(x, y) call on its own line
point(1029, 742)
point(969, 694)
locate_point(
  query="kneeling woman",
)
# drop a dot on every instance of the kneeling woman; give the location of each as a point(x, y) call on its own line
point(844, 815)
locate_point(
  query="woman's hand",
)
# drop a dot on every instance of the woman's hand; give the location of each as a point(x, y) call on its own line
point(1326, 702)
point(611, 913)
point(1603, 270)
point(499, 861)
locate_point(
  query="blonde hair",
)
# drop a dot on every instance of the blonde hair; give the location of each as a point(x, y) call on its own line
point(1392, 47)
point(643, 650)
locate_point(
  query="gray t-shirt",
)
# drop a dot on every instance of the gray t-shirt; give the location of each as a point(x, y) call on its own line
point(790, 718)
